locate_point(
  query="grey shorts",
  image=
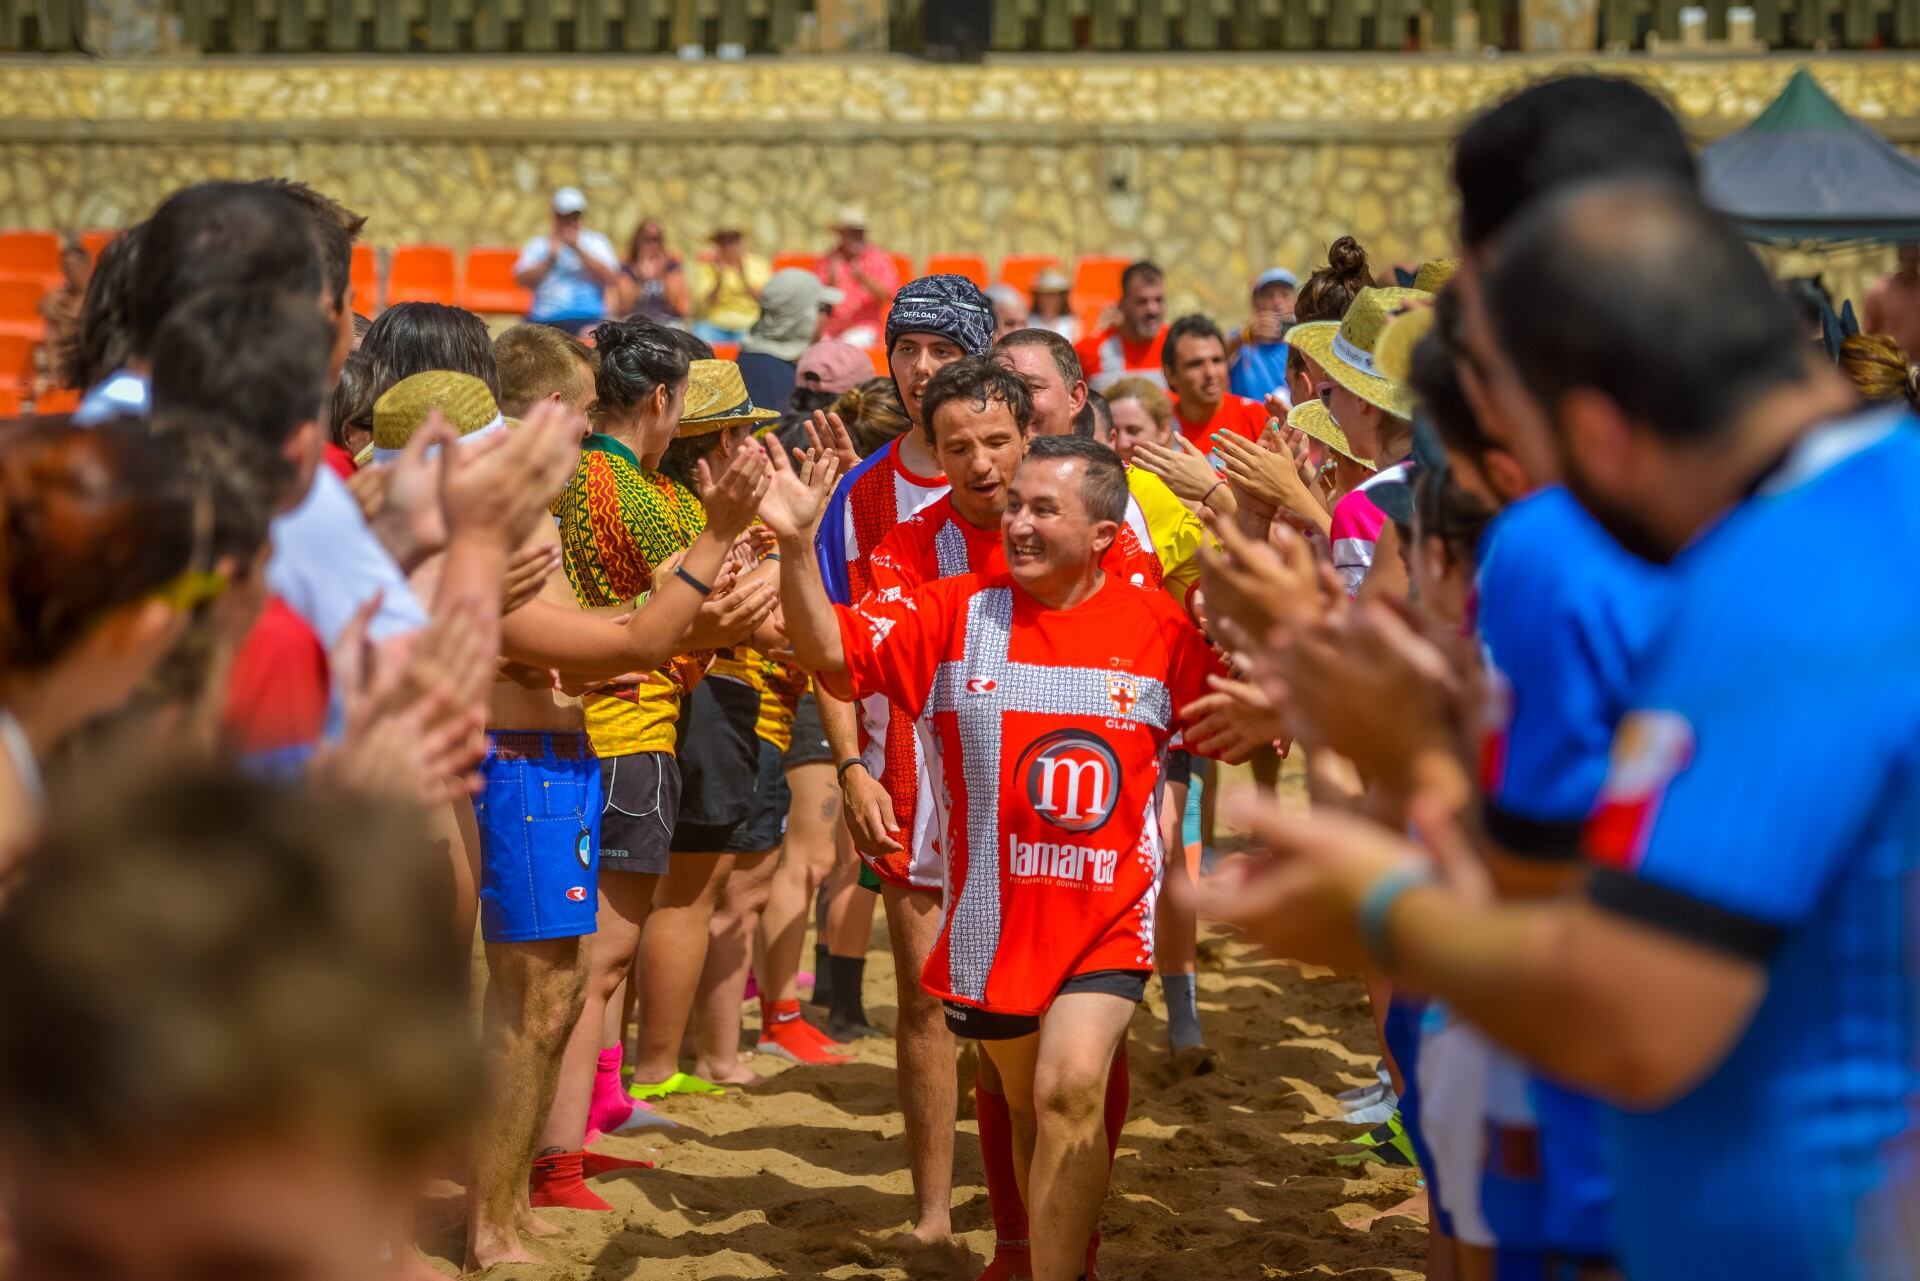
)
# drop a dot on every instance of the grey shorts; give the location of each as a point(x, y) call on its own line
point(809, 745)
point(636, 822)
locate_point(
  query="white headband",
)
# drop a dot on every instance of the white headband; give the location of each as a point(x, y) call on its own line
point(1352, 355)
point(498, 424)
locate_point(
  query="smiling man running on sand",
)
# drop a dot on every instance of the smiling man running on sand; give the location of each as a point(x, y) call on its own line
point(1045, 695)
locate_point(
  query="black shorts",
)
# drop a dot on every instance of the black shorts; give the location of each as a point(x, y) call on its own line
point(642, 794)
point(987, 1025)
point(809, 737)
point(766, 820)
point(719, 757)
point(1179, 767)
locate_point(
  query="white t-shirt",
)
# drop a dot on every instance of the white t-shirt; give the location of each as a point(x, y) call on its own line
point(326, 563)
point(569, 291)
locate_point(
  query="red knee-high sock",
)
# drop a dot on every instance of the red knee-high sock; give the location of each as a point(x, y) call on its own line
point(1119, 1095)
point(559, 1181)
point(1010, 1249)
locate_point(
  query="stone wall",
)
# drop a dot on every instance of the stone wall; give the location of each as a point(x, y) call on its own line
point(1219, 167)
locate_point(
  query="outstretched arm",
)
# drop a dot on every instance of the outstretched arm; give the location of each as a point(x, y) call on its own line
point(792, 509)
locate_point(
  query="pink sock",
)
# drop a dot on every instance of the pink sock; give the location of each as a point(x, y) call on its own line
point(610, 1107)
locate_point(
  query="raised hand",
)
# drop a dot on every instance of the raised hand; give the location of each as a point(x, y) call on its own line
point(729, 618)
point(826, 434)
point(1233, 722)
point(732, 500)
point(1270, 477)
point(1261, 586)
point(1185, 469)
point(793, 504)
point(1301, 898)
point(501, 484)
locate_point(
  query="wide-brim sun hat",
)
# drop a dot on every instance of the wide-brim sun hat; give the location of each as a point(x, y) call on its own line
point(1346, 349)
point(717, 399)
point(1313, 419)
point(463, 400)
point(1393, 356)
point(1434, 274)
point(1051, 281)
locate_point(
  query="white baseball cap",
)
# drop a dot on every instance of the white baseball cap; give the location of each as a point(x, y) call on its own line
point(569, 200)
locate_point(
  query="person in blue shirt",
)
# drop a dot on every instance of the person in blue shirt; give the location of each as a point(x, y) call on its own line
point(568, 269)
point(1737, 979)
point(1259, 355)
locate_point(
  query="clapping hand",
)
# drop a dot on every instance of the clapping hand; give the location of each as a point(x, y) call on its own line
point(1185, 469)
point(793, 504)
point(827, 434)
point(732, 500)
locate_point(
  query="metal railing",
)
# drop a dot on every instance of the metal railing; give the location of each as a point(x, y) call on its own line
point(758, 27)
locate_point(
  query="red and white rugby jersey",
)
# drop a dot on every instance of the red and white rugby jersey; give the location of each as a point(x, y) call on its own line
point(937, 543)
point(877, 499)
point(1049, 729)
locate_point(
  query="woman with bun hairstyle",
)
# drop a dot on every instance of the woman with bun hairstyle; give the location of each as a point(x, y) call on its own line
point(1880, 369)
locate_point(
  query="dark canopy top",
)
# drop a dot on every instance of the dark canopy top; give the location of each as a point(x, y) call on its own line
point(1807, 171)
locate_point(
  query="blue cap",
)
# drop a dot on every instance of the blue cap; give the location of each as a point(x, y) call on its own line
point(1276, 276)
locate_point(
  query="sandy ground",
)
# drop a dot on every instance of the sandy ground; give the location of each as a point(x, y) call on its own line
point(1232, 1174)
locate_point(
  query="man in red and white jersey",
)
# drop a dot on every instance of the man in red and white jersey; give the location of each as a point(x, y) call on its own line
point(934, 321)
point(1133, 346)
point(1048, 694)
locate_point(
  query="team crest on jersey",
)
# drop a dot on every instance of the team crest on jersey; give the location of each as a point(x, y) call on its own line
point(1122, 693)
point(577, 894)
point(1072, 779)
point(1650, 749)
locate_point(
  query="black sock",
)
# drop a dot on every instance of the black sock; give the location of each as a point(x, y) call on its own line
point(822, 993)
point(848, 972)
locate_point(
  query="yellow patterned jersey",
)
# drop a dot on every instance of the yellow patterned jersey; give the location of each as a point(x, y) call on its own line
point(618, 521)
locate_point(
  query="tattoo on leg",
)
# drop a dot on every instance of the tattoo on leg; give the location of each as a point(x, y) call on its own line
point(830, 809)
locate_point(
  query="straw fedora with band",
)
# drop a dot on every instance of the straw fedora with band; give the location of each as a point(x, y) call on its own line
point(717, 399)
point(1313, 418)
point(463, 400)
point(1346, 349)
point(1393, 355)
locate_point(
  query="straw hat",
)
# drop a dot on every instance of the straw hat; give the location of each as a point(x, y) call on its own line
point(1435, 273)
point(1051, 280)
point(717, 399)
point(1313, 418)
point(1394, 355)
point(1346, 350)
point(402, 410)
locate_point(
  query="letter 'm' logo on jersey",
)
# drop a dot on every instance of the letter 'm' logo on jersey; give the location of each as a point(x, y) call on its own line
point(981, 684)
point(1072, 779)
point(1122, 693)
point(1650, 749)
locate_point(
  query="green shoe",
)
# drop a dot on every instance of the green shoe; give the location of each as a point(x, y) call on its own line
point(1385, 1144)
point(678, 1083)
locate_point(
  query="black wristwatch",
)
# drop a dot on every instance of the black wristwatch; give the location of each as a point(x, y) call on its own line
point(840, 775)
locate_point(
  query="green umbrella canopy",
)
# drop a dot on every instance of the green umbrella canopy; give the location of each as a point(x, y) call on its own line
point(1807, 171)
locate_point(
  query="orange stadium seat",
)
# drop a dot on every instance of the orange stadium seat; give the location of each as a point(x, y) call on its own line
point(805, 262)
point(16, 363)
point(59, 400)
point(1097, 279)
point(878, 355)
point(972, 266)
point(1090, 314)
point(33, 254)
point(420, 273)
point(726, 351)
point(9, 403)
point(1019, 270)
point(490, 286)
point(365, 275)
point(20, 306)
point(94, 241)
point(903, 265)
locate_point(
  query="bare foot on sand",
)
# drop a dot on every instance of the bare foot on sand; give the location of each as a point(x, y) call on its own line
point(739, 1076)
point(491, 1248)
point(1414, 1207)
point(535, 1226)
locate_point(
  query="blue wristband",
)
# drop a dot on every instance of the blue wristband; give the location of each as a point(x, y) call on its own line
point(1377, 906)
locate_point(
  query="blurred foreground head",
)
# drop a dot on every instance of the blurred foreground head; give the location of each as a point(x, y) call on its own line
point(232, 1029)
